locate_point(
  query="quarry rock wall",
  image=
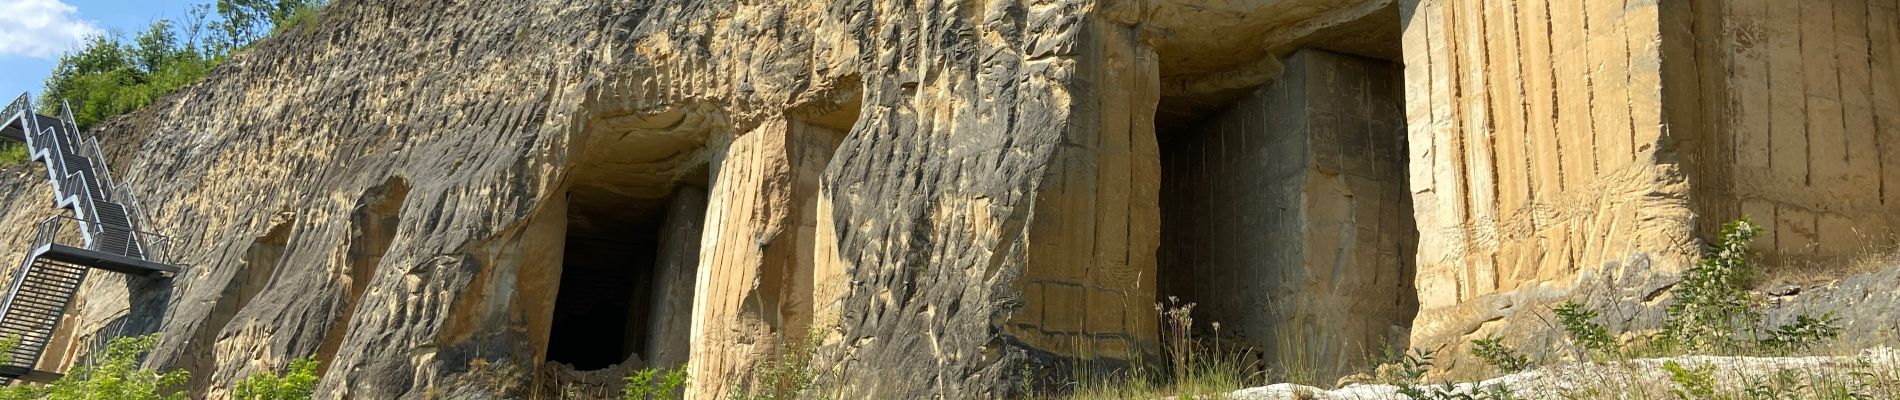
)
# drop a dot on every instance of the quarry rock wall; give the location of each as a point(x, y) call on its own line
point(1810, 105)
point(967, 199)
point(1540, 164)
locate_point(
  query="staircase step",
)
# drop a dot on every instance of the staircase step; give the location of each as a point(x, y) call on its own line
point(33, 326)
point(37, 304)
point(32, 323)
point(36, 310)
point(47, 286)
point(56, 273)
point(47, 278)
point(25, 328)
point(44, 297)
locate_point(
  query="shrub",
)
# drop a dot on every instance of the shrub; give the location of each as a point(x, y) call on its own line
point(1712, 304)
point(1696, 383)
point(1494, 353)
point(785, 375)
point(297, 382)
point(12, 153)
point(1714, 312)
point(1578, 323)
point(655, 384)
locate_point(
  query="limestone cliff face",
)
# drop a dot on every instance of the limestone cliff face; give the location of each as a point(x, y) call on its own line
point(954, 198)
point(1584, 151)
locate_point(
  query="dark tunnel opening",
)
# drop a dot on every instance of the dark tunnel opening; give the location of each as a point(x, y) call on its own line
point(620, 278)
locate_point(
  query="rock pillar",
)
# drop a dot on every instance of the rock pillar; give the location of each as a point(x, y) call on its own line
point(753, 295)
point(1542, 167)
point(669, 329)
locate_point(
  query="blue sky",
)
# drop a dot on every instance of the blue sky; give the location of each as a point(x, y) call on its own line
point(34, 32)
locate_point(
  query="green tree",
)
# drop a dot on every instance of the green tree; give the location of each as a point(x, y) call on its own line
point(12, 153)
point(297, 382)
point(109, 75)
point(116, 375)
point(156, 47)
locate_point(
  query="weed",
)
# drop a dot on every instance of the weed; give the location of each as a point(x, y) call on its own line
point(785, 375)
point(655, 384)
point(1412, 370)
point(1493, 352)
point(1802, 334)
point(1179, 322)
point(1580, 325)
point(1195, 367)
point(1696, 383)
point(1712, 304)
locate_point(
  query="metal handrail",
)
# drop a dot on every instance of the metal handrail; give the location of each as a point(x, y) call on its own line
point(49, 140)
point(18, 104)
point(134, 214)
point(74, 184)
point(149, 246)
point(47, 231)
point(98, 158)
point(88, 146)
point(95, 229)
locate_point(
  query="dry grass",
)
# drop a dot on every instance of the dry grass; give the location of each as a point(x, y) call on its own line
point(1879, 254)
point(1876, 253)
point(1195, 367)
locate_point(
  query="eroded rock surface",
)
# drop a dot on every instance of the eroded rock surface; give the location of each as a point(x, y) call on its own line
point(956, 198)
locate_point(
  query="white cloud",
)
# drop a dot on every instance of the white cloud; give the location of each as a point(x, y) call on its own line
point(40, 28)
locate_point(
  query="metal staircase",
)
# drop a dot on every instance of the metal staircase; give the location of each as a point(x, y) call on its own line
point(102, 233)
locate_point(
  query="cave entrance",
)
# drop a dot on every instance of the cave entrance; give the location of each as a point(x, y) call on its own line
point(1286, 216)
point(626, 277)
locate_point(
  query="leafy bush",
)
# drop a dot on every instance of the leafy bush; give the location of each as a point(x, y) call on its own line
point(1580, 325)
point(655, 384)
point(1696, 383)
point(12, 153)
point(115, 376)
point(1713, 311)
point(297, 382)
point(785, 375)
point(1412, 370)
point(110, 75)
point(1802, 334)
point(1493, 352)
point(1712, 304)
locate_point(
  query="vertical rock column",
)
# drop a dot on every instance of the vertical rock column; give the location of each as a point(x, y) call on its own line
point(1289, 210)
point(669, 329)
point(753, 294)
point(1356, 218)
point(1088, 285)
point(1539, 160)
